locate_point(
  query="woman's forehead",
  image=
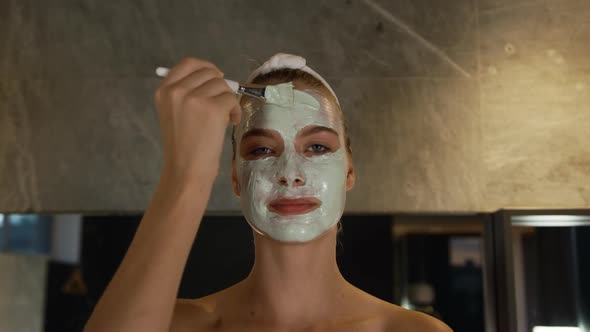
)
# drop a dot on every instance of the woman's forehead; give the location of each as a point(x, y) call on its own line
point(289, 122)
point(320, 93)
point(290, 119)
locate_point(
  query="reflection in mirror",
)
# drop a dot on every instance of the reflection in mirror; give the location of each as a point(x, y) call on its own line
point(1, 232)
point(438, 268)
point(25, 233)
point(551, 263)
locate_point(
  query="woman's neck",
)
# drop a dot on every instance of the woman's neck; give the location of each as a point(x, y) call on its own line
point(295, 282)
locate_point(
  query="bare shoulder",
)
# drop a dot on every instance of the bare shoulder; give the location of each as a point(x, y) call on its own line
point(393, 318)
point(194, 314)
point(400, 319)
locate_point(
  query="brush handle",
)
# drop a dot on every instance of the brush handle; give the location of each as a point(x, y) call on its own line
point(233, 85)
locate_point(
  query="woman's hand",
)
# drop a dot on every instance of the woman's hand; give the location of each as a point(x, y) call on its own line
point(194, 105)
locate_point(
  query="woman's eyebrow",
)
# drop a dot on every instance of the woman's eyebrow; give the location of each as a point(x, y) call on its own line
point(258, 132)
point(317, 129)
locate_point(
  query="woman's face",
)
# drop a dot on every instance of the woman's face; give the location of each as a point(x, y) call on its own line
point(292, 169)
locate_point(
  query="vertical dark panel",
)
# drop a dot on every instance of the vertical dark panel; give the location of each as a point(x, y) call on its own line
point(489, 274)
point(104, 243)
point(222, 255)
point(503, 267)
point(365, 254)
point(556, 296)
point(458, 289)
point(532, 289)
point(465, 299)
point(583, 260)
point(65, 310)
point(440, 273)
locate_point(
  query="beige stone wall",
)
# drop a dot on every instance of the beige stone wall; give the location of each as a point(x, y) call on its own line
point(453, 106)
point(22, 292)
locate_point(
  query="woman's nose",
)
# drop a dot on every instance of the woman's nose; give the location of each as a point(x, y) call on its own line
point(296, 181)
point(289, 172)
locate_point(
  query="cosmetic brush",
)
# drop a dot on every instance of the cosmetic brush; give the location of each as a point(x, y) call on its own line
point(254, 91)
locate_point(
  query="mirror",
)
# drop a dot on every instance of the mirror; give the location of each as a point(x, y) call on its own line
point(551, 256)
point(438, 268)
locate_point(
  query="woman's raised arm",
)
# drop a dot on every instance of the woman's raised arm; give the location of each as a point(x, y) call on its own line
point(194, 106)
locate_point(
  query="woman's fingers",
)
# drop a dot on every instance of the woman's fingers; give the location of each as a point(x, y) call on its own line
point(194, 80)
point(212, 87)
point(186, 67)
point(194, 104)
point(235, 115)
point(228, 102)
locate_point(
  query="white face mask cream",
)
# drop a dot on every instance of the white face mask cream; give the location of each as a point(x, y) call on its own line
point(292, 195)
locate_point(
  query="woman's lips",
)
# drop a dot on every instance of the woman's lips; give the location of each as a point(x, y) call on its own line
point(287, 206)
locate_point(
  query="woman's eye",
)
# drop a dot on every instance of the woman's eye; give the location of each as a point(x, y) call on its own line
point(261, 151)
point(318, 148)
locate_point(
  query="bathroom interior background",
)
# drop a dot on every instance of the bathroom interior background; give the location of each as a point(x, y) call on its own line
point(456, 111)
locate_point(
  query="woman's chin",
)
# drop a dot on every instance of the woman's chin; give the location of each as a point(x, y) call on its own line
point(291, 229)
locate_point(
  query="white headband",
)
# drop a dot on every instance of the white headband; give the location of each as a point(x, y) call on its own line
point(281, 61)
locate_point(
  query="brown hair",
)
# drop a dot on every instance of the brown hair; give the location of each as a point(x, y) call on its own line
point(285, 75)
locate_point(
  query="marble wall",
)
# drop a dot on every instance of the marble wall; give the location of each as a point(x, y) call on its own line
point(22, 292)
point(464, 105)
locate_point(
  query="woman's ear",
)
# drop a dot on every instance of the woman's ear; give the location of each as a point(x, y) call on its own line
point(234, 179)
point(350, 176)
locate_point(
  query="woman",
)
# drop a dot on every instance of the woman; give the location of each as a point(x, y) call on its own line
point(292, 167)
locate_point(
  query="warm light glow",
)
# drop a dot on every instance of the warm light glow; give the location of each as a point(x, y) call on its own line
point(556, 329)
point(551, 220)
